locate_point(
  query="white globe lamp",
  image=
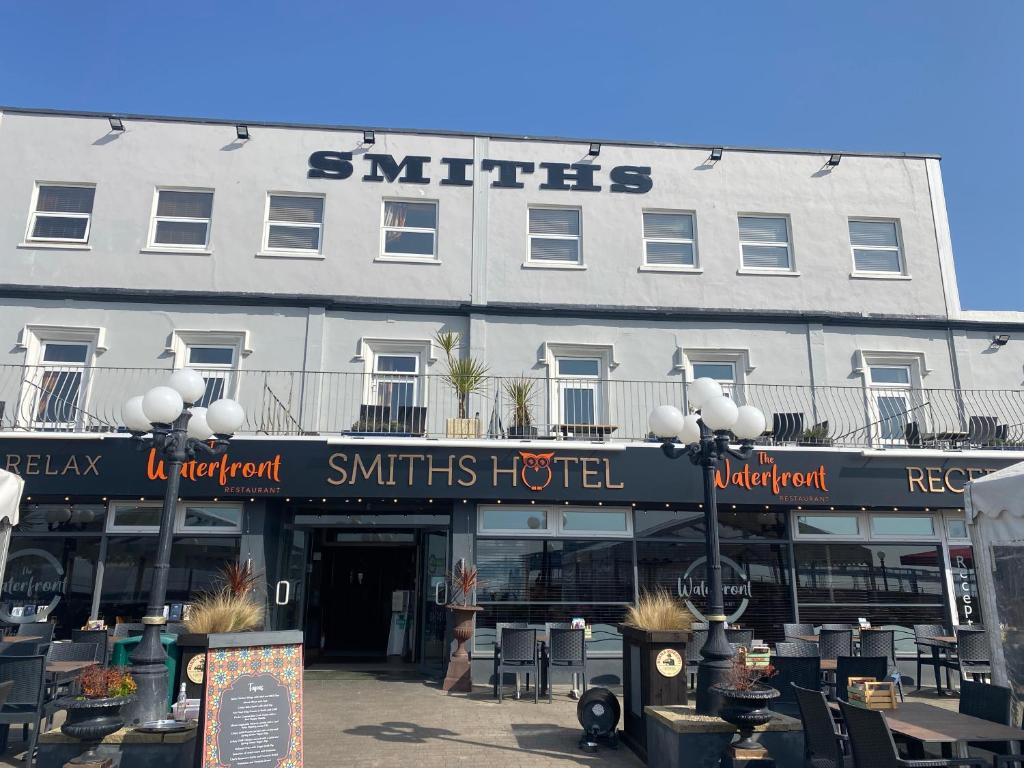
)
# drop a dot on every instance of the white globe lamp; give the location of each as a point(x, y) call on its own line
point(198, 426)
point(189, 384)
point(666, 421)
point(719, 413)
point(162, 405)
point(750, 423)
point(690, 433)
point(225, 417)
point(133, 416)
point(702, 390)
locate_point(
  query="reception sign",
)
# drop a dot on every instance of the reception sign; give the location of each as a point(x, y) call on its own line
point(252, 703)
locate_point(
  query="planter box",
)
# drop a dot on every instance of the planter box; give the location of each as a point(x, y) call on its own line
point(462, 428)
point(126, 748)
point(653, 674)
point(517, 431)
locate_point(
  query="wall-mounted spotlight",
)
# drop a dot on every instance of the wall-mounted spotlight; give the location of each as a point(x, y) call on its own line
point(369, 137)
point(1000, 340)
point(595, 149)
point(716, 154)
point(833, 160)
point(116, 124)
point(242, 131)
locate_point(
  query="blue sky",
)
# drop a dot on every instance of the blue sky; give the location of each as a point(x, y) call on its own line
point(900, 75)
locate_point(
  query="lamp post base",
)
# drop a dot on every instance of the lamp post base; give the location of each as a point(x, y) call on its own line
point(149, 669)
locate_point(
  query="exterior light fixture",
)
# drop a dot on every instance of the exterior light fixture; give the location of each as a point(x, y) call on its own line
point(369, 137)
point(595, 149)
point(1000, 340)
point(833, 160)
point(116, 124)
point(242, 131)
point(716, 154)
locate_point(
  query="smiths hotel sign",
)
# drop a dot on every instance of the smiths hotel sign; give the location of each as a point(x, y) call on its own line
point(504, 174)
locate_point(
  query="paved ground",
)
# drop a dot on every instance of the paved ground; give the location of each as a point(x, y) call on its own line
point(390, 717)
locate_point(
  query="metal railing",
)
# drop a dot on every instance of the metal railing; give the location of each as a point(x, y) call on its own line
point(84, 399)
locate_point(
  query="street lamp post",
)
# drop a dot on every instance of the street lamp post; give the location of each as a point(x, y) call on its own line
point(704, 439)
point(166, 419)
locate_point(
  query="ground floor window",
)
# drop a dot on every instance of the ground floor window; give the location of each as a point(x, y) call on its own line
point(51, 577)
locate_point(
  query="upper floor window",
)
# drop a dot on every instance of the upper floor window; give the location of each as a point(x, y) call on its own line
point(764, 243)
point(294, 224)
point(895, 407)
point(876, 246)
point(579, 390)
point(668, 240)
point(555, 236)
point(181, 219)
point(409, 230)
point(55, 388)
point(61, 213)
point(722, 371)
point(216, 364)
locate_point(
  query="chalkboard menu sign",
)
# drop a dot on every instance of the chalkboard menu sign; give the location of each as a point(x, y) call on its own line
point(252, 704)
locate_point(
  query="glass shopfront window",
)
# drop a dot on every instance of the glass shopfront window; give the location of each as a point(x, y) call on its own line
point(62, 518)
point(689, 524)
point(51, 577)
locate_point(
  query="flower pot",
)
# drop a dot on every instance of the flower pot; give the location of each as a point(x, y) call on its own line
point(459, 678)
point(91, 720)
point(462, 428)
point(518, 430)
point(746, 709)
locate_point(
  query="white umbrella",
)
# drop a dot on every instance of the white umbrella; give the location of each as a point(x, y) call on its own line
point(11, 487)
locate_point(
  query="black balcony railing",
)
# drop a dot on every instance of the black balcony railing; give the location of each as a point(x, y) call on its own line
point(85, 399)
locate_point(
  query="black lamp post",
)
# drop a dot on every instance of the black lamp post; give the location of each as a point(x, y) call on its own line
point(165, 420)
point(704, 439)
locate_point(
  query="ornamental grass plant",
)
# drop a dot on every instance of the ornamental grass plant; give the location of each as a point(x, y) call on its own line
point(231, 607)
point(658, 610)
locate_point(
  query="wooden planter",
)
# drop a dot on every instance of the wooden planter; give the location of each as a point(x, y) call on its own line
point(462, 428)
point(653, 674)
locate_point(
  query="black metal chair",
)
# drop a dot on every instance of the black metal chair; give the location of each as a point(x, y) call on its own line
point(882, 642)
point(989, 702)
point(744, 637)
point(497, 647)
point(519, 653)
point(797, 649)
point(97, 637)
point(924, 652)
point(858, 666)
point(792, 672)
point(24, 649)
point(693, 657)
point(833, 643)
point(566, 652)
point(24, 705)
point(872, 745)
point(973, 653)
point(796, 631)
point(41, 629)
point(823, 744)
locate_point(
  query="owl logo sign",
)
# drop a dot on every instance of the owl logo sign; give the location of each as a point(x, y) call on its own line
point(536, 470)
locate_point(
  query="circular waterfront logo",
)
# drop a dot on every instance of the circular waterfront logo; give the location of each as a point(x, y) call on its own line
point(33, 586)
point(735, 593)
point(668, 662)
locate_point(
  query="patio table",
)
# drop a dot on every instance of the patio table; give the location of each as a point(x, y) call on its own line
point(21, 639)
point(937, 645)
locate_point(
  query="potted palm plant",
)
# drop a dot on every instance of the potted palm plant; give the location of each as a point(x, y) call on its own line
point(520, 394)
point(466, 376)
point(96, 712)
point(464, 610)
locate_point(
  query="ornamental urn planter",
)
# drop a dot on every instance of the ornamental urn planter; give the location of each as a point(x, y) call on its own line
point(92, 720)
point(459, 677)
point(746, 709)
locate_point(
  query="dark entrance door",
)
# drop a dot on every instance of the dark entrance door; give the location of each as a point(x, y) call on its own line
point(356, 597)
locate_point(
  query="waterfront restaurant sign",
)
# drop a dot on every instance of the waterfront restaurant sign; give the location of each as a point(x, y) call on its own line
point(504, 174)
point(762, 471)
point(737, 591)
point(33, 586)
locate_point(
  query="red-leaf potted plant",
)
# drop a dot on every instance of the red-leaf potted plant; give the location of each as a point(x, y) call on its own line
point(96, 712)
point(746, 698)
point(464, 582)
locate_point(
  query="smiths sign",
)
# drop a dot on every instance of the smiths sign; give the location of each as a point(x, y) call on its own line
point(504, 174)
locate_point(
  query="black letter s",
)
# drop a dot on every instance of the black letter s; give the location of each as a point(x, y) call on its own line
point(634, 179)
point(330, 165)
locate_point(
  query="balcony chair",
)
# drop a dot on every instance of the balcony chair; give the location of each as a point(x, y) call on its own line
point(519, 653)
point(24, 704)
point(787, 427)
point(412, 418)
point(797, 649)
point(858, 666)
point(982, 430)
point(882, 642)
point(792, 672)
point(973, 653)
point(373, 418)
point(912, 434)
point(796, 631)
point(824, 746)
point(872, 745)
point(566, 652)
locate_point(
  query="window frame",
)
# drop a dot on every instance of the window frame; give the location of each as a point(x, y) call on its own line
point(33, 214)
point(595, 384)
point(554, 528)
point(152, 244)
point(900, 255)
point(378, 377)
point(645, 266)
point(34, 340)
point(267, 223)
point(371, 348)
point(383, 255)
point(866, 531)
point(182, 342)
point(880, 390)
point(110, 527)
point(790, 268)
point(578, 237)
